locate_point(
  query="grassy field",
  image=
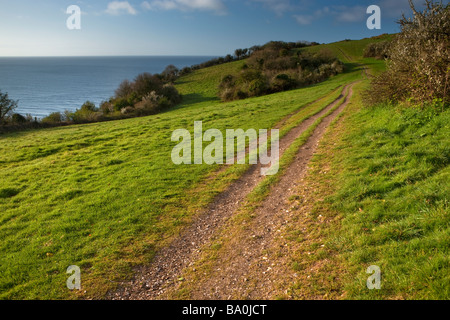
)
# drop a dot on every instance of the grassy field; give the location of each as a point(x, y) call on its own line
point(106, 196)
point(393, 190)
point(381, 176)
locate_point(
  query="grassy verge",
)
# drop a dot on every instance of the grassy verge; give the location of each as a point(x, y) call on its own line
point(240, 220)
point(380, 181)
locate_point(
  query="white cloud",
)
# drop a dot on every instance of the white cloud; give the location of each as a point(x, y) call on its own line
point(216, 6)
point(119, 7)
point(303, 19)
point(351, 14)
point(278, 6)
point(343, 14)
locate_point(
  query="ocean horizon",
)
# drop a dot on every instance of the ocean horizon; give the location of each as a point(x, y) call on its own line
point(43, 85)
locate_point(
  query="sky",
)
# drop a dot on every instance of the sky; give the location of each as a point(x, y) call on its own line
point(183, 27)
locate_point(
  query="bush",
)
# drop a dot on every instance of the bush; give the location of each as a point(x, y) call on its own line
point(88, 106)
point(282, 82)
point(377, 50)
point(257, 87)
point(170, 74)
point(146, 83)
point(87, 113)
point(55, 117)
point(171, 93)
point(276, 67)
point(418, 69)
point(18, 118)
point(127, 110)
point(106, 107)
point(124, 89)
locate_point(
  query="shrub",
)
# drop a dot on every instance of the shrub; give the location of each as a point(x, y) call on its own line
point(55, 117)
point(106, 107)
point(146, 83)
point(120, 103)
point(282, 82)
point(377, 50)
point(87, 113)
point(171, 93)
point(185, 71)
point(127, 110)
point(88, 106)
point(418, 69)
point(124, 89)
point(18, 118)
point(257, 87)
point(170, 74)
point(276, 67)
point(149, 104)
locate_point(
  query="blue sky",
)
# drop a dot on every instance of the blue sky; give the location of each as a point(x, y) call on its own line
point(182, 27)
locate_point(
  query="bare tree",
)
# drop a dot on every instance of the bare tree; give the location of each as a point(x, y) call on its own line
point(419, 64)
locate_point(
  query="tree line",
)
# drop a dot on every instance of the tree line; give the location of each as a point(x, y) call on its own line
point(276, 67)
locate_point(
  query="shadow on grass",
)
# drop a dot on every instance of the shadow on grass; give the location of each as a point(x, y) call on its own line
point(191, 99)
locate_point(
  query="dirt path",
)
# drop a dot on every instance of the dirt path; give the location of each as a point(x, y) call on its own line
point(158, 280)
point(247, 269)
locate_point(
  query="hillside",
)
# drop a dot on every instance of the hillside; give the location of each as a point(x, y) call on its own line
point(107, 197)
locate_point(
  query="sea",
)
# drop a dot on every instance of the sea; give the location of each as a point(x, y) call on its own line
point(43, 85)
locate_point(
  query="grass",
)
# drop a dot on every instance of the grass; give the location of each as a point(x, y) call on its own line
point(394, 194)
point(382, 176)
point(106, 196)
point(240, 220)
point(349, 51)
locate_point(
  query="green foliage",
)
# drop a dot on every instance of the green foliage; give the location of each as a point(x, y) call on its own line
point(147, 94)
point(170, 74)
point(55, 117)
point(87, 113)
point(146, 83)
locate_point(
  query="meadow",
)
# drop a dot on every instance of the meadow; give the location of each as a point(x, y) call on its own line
point(106, 196)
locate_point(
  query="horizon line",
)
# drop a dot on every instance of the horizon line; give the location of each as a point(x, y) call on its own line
point(112, 56)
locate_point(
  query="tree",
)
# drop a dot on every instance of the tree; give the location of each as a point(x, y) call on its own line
point(170, 73)
point(124, 89)
point(238, 53)
point(7, 106)
point(146, 83)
